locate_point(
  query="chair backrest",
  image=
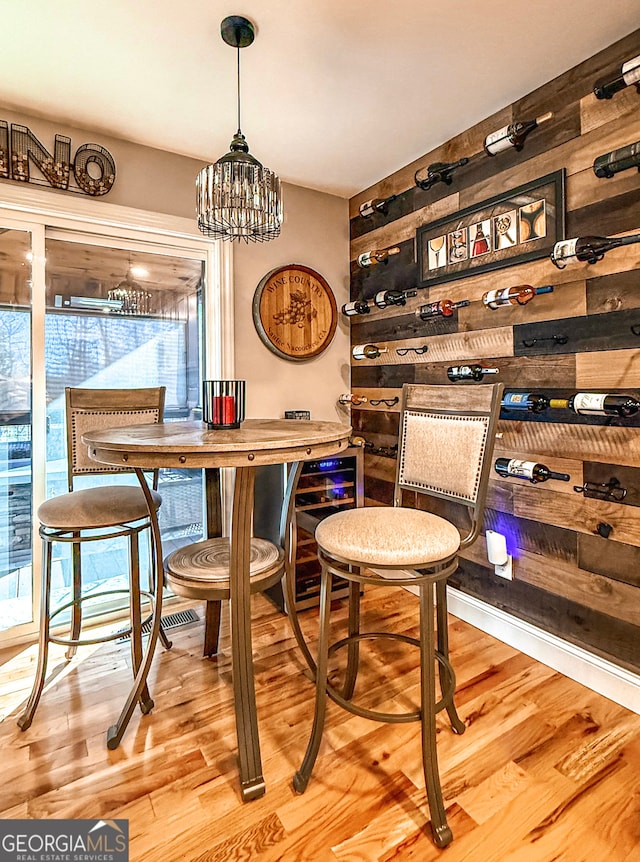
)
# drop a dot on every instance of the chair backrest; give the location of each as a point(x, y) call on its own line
point(447, 435)
point(96, 409)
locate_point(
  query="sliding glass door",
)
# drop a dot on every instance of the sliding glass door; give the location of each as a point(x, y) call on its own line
point(98, 312)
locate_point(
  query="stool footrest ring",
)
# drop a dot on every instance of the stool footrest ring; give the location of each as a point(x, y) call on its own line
point(392, 717)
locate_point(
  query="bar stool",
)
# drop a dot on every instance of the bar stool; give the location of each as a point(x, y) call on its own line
point(96, 514)
point(446, 442)
point(201, 570)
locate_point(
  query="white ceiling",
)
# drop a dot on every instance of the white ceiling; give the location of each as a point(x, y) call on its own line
point(336, 94)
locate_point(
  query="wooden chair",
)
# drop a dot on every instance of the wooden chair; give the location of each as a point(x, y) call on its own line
point(96, 514)
point(446, 442)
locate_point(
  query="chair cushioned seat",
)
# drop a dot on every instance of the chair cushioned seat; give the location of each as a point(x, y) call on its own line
point(208, 562)
point(388, 536)
point(105, 506)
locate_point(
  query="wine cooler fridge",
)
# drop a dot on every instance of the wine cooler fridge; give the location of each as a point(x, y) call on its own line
point(326, 486)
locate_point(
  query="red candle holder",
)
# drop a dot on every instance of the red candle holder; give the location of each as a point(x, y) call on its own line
point(223, 403)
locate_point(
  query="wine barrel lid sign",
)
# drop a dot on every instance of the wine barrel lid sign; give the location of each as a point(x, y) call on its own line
point(295, 312)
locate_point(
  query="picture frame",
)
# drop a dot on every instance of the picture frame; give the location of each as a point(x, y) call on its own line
point(514, 227)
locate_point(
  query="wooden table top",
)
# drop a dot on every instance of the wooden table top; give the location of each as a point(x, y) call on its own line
point(192, 444)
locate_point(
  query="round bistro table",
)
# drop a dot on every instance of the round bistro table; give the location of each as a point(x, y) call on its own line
point(192, 445)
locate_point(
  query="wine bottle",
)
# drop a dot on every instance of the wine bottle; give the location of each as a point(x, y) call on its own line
point(530, 402)
point(393, 297)
point(351, 398)
point(599, 404)
point(519, 295)
point(527, 470)
point(367, 351)
point(622, 159)
point(376, 205)
point(513, 135)
point(469, 372)
point(629, 73)
point(588, 248)
point(376, 255)
point(439, 172)
point(359, 306)
point(441, 308)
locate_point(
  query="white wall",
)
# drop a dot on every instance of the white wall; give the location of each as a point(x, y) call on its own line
point(315, 233)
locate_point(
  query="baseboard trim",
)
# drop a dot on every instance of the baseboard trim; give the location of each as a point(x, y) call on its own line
point(598, 674)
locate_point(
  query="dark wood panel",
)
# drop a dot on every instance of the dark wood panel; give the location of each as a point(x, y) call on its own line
point(613, 292)
point(586, 333)
point(568, 417)
point(366, 422)
point(536, 372)
point(629, 478)
point(595, 555)
point(616, 641)
point(399, 272)
point(378, 490)
point(535, 536)
point(365, 329)
point(603, 218)
point(386, 376)
point(577, 82)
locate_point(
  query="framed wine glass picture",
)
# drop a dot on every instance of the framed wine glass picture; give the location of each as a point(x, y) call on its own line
point(514, 227)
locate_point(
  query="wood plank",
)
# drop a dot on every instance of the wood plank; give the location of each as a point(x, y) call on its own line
point(554, 543)
point(594, 555)
point(378, 397)
point(615, 369)
point(534, 371)
point(382, 376)
point(597, 112)
point(567, 300)
point(613, 215)
point(616, 640)
point(456, 346)
point(605, 332)
point(465, 144)
point(575, 512)
point(404, 228)
point(557, 465)
point(610, 444)
point(613, 292)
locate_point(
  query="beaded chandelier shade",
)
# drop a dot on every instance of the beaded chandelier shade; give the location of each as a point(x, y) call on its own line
point(237, 197)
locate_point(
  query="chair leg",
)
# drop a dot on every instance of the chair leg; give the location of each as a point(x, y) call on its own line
point(457, 724)
point(442, 835)
point(76, 607)
point(156, 566)
point(213, 613)
point(135, 609)
point(302, 776)
point(24, 722)
point(353, 648)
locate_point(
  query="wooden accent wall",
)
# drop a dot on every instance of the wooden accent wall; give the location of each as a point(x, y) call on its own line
point(568, 580)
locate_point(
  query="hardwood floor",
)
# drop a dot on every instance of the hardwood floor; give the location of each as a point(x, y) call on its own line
point(547, 770)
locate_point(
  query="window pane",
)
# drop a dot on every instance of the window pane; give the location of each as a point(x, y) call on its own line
point(15, 428)
point(116, 320)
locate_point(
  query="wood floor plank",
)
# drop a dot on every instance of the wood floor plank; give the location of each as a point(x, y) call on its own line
point(556, 762)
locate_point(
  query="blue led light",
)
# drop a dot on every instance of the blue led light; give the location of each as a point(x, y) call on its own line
point(328, 465)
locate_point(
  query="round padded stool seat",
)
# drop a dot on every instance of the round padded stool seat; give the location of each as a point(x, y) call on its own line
point(388, 536)
point(105, 506)
point(202, 568)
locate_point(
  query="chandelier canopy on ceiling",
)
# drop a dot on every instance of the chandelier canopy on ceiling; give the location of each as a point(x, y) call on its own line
point(237, 197)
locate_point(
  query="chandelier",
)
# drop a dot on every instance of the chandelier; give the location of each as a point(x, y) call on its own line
point(237, 197)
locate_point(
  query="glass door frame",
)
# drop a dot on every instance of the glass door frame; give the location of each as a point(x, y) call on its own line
point(46, 215)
